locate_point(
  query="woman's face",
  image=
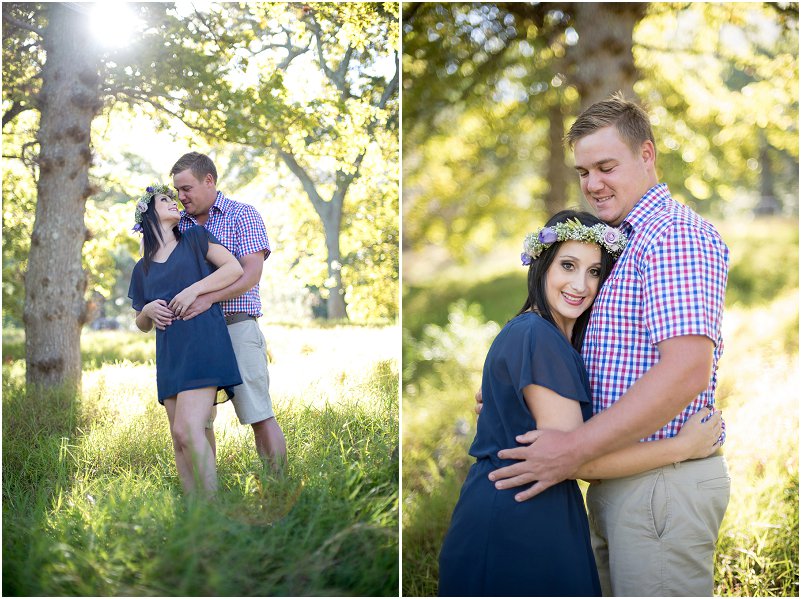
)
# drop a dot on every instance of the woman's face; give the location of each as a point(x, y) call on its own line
point(166, 209)
point(571, 282)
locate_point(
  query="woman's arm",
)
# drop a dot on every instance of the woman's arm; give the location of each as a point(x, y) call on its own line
point(154, 313)
point(696, 439)
point(228, 271)
point(143, 322)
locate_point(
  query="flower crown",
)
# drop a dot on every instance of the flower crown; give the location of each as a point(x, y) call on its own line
point(610, 238)
point(144, 200)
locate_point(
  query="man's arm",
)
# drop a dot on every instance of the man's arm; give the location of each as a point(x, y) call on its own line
point(681, 374)
point(252, 266)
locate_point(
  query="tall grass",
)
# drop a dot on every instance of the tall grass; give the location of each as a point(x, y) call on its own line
point(92, 504)
point(448, 331)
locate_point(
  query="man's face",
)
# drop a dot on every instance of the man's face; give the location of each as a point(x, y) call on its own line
point(613, 178)
point(196, 196)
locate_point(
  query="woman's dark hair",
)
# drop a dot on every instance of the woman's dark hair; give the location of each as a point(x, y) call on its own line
point(151, 232)
point(536, 300)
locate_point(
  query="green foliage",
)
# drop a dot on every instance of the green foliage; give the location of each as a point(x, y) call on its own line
point(19, 208)
point(222, 72)
point(338, 131)
point(92, 504)
point(477, 94)
point(763, 260)
point(448, 329)
point(484, 84)
point(723, 134)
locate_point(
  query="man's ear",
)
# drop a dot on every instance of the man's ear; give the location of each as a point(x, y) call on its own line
point(648, 152)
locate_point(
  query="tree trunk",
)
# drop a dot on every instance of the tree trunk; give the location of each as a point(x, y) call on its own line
point(602, 61)
point(768, 202)
point(330, 214)
point(557, 176)
point(55, 282)
point(332, 222)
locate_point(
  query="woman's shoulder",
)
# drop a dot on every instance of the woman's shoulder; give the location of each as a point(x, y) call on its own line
point(532, 321)
point(541, 332)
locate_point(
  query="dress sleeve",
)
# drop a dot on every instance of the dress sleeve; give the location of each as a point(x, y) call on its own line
point(201, 237)
point(551, 362)
point(136, 291)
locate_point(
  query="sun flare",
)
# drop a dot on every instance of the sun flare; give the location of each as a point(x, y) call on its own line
point(114, 23)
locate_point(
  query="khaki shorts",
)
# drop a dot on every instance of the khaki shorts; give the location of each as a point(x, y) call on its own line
point(252, 398)
point(654, 533)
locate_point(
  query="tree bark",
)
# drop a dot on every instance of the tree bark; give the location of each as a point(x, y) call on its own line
point(332, 222)
point(557, 177)
point(768, 202)
point(55, 283)
point(602, 61)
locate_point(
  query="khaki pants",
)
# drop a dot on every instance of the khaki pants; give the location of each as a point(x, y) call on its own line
point(654, 533)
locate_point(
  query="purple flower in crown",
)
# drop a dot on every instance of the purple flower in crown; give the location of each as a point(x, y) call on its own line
point(525, 259)
point(611, 235)
point(149, 189)
point(547, 235)
point(137, 228)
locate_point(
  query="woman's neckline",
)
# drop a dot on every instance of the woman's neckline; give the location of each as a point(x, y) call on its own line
point(172, 251)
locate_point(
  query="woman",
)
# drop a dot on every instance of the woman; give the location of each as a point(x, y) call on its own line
point(194, 358)
point(534, 377)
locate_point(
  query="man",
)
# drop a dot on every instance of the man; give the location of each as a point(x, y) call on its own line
point(239, 228)
point(651, 350)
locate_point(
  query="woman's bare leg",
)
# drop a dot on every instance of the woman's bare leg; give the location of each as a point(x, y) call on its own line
point(192, 411)
point(182, 463)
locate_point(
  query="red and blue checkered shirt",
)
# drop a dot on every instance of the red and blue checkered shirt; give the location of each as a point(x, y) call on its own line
point(240, 228)
point(669, 281)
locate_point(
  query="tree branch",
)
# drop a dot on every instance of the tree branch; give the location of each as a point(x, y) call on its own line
point(321, 206)
point(22, 24)
point(392, 87)
point(318, 36)
point(16, 108)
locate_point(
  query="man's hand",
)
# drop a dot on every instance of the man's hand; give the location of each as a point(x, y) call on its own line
point(546, 459)
point(479, 402)
point(200, 305)
point(159, 313)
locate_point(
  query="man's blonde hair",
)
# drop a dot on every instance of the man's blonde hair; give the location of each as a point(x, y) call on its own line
point(630, 120)
point(200, 165)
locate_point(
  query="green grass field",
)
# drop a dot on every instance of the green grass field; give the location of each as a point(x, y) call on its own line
point(450, 321)
point(92, 504)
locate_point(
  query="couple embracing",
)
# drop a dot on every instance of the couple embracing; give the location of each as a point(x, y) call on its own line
point(198, 284)
point(621, 395)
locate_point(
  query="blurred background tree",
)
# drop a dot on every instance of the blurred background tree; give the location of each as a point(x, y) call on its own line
point(291, 100)
point(490, 89)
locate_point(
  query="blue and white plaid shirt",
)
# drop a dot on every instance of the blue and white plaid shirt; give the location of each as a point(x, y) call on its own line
point(669, 281)
point(240, 228)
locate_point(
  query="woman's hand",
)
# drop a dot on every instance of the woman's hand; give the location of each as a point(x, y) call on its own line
point(700, 439)
point(181, 302)
point(159, 313)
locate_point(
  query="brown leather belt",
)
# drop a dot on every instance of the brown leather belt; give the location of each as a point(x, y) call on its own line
point(235, 317)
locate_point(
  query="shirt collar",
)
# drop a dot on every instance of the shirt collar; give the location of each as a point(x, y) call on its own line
point(653, 200)
point(221, 204)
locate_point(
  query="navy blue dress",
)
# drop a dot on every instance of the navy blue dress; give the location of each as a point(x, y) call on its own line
point(195, 353)
point(496, 546)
